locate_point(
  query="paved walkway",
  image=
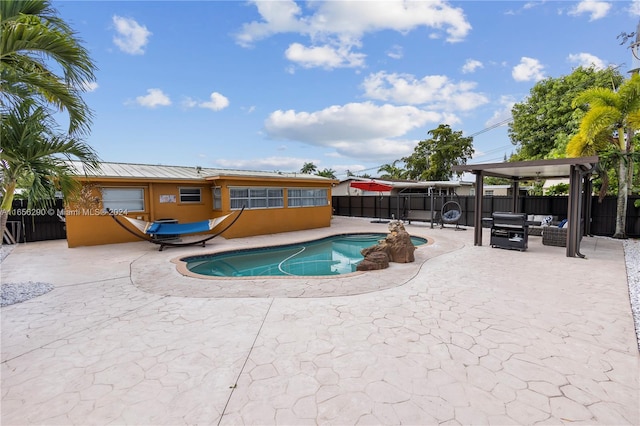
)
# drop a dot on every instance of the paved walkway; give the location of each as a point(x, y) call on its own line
point(465, 335)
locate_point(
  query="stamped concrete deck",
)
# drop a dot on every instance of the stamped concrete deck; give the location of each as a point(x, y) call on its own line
point(465, 335)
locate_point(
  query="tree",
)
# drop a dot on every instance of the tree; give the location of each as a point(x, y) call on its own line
point(33, 151)
point(391, 171)
point(433, 159)
point(543, 123)
point(558, 189)
point(35, 42)
point(328, 173)
point(607, 129)
point(308, 168)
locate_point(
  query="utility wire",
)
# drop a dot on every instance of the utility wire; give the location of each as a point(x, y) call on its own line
point(486, 129)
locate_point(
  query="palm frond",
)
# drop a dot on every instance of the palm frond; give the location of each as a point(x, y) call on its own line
point(596, 97)
point(33, 149)
point(33, 38)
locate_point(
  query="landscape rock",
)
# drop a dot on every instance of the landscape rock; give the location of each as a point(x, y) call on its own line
point(374, 261)
point(396, 247)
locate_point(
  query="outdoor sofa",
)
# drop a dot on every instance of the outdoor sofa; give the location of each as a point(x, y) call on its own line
point(538, 222)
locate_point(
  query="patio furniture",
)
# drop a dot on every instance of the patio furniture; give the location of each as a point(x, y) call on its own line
point(509, 231)
point(554, 236)
point(422, 216)
point(541, 223)
point(451, 213)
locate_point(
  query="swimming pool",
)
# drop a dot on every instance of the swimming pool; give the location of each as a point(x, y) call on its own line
point(334, 255)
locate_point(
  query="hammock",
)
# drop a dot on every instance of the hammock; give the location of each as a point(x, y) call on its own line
point(150, 231)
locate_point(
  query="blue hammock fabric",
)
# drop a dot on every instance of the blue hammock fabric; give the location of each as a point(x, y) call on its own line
point(167, 228)
point(178, 228)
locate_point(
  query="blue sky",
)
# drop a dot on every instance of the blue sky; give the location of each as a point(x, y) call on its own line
point(347, 85)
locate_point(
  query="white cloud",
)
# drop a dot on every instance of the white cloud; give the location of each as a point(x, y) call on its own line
point(634, 8)
point(131, 37)
point(216, 102)
point(89, 86)
point(531, 5)
point(501, 115)
point(324, 56)
point(396, 52)
point(471, 66)
point(362, 129)
point(587, 60)
point(437, 91)
point(154, 98)
point(342, 24)
point(278, 17)
point(597, 9)
point(528, 69)
point(283, 164)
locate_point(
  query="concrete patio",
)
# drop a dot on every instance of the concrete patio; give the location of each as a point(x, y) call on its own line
point(465, 335)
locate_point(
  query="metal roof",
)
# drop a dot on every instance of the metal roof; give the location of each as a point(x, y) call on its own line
point(560, 167)
point(157, 171)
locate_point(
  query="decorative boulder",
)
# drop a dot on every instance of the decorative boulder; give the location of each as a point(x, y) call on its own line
point(373, 261)
point(398, 243)
point(396, 247)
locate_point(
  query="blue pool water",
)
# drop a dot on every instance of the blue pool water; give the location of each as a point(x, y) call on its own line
point(335, 255)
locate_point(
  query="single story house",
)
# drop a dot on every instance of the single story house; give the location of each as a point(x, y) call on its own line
point(498, 190)
point(274, 202)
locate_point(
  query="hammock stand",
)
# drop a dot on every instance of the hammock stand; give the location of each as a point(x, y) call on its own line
point(165, 243)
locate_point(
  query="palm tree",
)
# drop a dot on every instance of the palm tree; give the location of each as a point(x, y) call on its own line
point(308, 168)
point(328, 173)
point(34, 152)
point(391, 171)
point(607, 129)
point(35, 41)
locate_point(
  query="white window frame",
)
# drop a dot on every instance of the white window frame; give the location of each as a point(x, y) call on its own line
point(309, 197)
point(187, 194)
point(120, 203)
point(256, 197)
point(216, 194)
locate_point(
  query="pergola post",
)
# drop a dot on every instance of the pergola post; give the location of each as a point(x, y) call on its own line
point(573, 214)
point(477, 225)
point(587, 202)
point(515, 197)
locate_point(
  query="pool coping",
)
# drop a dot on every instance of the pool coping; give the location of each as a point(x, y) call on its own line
point(165, 276)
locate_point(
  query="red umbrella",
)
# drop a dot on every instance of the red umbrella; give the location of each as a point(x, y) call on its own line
point(371, 186)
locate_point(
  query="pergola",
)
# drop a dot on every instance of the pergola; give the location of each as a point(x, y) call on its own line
point(578, 170)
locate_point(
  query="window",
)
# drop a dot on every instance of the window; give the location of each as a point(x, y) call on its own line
point(190, 195)
point(217, 198)
point(306, 197)
point(130, 199)
point(488, 192)
point(256, 198)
